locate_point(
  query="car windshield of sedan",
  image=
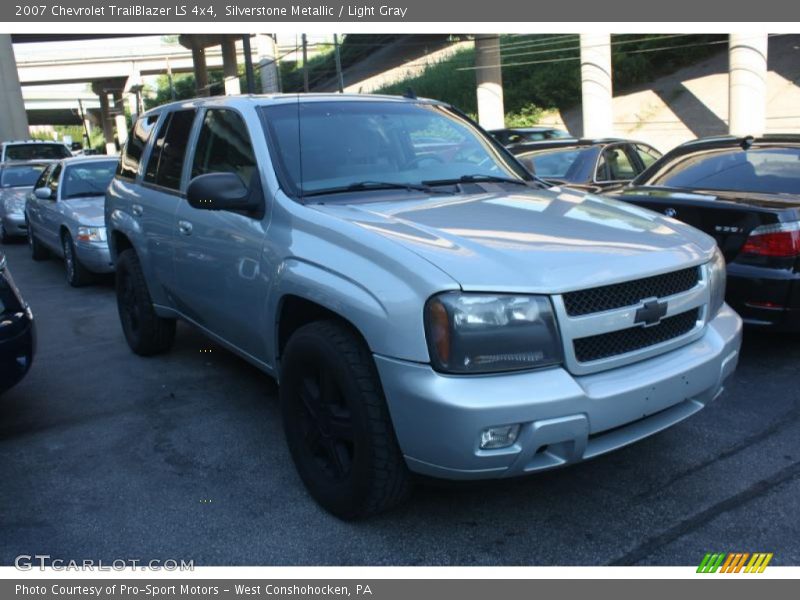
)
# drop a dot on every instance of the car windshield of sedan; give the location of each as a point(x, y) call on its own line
point(37, 151)
point(556, 163)
point(88, 179)
point(338, 146)
point(765, 170)
point(21, 175)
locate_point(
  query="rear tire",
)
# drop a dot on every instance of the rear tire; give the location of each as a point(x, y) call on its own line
point(77, 274)
point(147, 333)
point(337, 423)
point(38, 252)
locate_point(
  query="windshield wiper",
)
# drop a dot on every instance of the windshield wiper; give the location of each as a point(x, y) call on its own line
point(479, 178)
point(365, 186)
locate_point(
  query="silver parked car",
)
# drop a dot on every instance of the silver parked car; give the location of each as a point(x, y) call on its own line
point(426, 308)
point(16, 181)
point(64, 214)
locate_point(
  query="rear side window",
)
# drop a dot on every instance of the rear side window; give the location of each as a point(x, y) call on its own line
point(767, 170)
point(36, 151)
point(615, 165)
point(134, 147)
point(224, 146)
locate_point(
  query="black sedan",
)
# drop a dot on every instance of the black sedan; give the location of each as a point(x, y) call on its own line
point(746, 193)
point(589, 165)
point(17, 332)
point(521, 135)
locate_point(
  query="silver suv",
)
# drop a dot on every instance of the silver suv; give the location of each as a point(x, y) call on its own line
point(427, 305)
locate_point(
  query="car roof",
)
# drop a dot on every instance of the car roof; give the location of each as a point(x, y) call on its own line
point(534, 129)
point(274, 99)
point(730, 141)
point(27, 162)
point(72, 160)
point(23, 142)
point(567, 143)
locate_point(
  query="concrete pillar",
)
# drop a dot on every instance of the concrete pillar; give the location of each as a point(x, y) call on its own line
point(489, 76)
point(13, 119)
point(268, 64)
point(229, 67)
point(596, 89)
point(106, 122)
point(747, 84)
point(200, 70)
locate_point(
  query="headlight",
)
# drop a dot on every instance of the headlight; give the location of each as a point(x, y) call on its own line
point(482, 333)
point(716, 281)
point(92, 234)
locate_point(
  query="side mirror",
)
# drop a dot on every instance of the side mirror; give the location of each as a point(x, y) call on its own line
point(43, 193)
point(223, 191)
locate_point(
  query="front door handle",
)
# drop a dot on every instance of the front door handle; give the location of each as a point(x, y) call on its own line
point(185, 227)
point(137, 210)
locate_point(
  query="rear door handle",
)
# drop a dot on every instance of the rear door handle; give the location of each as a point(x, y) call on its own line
point(137, 210)
point(185, 227)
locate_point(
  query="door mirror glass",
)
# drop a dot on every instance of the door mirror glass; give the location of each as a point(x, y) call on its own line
point(43, 193)
point(222, 191)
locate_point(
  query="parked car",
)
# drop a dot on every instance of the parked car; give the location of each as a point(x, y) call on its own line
point(521, 135)
point(745, 192)
point(16, 181)
point(17, 331)
point(65, 216)
point(33, 150)
point(589, 165)
point(440, 313)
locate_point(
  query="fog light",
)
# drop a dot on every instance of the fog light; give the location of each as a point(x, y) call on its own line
point(499, 437)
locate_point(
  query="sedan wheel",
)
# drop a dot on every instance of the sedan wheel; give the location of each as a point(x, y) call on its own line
point(77, 274)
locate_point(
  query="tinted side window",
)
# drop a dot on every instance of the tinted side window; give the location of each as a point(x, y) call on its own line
point(42, 181)
point(134, 147)
point(224, 146)
point(155, 153)
point(171, 164)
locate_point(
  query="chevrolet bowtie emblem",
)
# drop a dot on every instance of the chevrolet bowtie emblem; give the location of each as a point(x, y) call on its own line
point(651, 313)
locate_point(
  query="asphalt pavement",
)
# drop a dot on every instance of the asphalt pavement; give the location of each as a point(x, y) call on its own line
point(106, 455)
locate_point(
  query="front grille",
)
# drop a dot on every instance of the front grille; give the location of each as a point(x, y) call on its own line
point(605, 345)
point(618, 295)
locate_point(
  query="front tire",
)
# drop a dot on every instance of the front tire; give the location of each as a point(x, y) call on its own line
point(38, 252)
point(77, 274)
point(147, 333)
point(337, 423)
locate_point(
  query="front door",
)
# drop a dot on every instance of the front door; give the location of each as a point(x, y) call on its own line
point(218, 254)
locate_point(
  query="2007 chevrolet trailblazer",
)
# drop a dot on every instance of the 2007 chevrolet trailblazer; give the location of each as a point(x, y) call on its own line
point(426, 305)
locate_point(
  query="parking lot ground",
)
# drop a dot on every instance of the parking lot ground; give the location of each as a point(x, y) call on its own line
point(106, 455)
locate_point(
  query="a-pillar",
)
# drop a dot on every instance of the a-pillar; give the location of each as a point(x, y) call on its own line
point(489, 79)
point(747, 84)
point(596, 88)
point(230, 69)
point(13, 119)
point(268, 64)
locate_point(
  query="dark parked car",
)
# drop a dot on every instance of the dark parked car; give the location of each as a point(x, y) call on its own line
point(590, 165)
point(521, 135)
point(746, 193)
point(17, 333)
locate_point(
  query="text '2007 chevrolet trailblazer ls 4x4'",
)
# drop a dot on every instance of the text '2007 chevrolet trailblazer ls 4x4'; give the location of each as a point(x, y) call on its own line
point(426, 305)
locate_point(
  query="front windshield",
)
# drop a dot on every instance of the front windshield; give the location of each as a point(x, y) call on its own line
point(36, 151)
point(330, 146)
point(21, 175)
point(88, 179)
point(556, 164)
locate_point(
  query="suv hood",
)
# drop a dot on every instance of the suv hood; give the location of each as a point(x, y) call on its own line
point(547, 241)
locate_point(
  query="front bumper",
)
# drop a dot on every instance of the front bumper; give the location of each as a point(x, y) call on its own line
point(14, 225)
point(564, 419)
point(95, 256)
